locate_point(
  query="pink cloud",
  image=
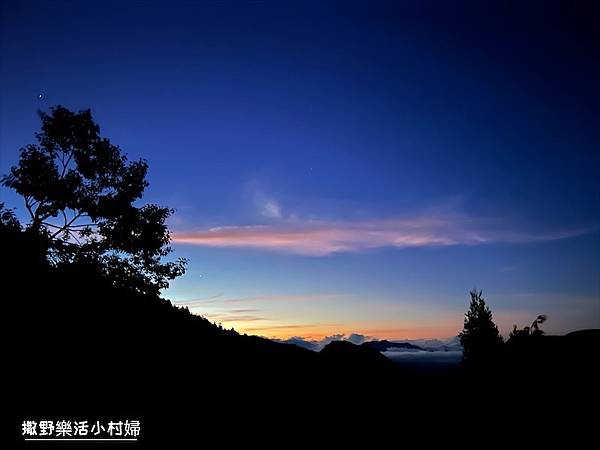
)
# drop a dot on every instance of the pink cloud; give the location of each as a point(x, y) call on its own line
point(318, 238)
point(258, 299)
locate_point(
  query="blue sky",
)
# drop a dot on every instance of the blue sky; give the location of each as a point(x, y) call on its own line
point(341, 167)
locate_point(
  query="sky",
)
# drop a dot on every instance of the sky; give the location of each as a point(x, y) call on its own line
point(341, 168)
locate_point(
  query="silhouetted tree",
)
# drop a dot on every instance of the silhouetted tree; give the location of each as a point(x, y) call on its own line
point(516, 332)
point(480, 337)
point(533, 330)
point(535, 326)
point(79, 191)
point(8, 220)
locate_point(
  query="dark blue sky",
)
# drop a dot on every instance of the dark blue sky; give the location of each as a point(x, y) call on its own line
point(337, 166)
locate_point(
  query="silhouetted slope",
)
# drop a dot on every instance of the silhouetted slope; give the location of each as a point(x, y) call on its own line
point(548, 359)
point(584, 338)
point(341, 356)
point(82, 348)
point(382, 346)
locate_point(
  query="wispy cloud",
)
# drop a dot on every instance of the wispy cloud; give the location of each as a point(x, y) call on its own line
point(294, 326)
point(320, 238)
point(227, 317)
point(220, 300)
point(266, 205)
point(271, 209)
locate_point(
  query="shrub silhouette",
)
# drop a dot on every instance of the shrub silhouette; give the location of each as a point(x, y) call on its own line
point(533, 330)
point(79, 191)
point(480, 337)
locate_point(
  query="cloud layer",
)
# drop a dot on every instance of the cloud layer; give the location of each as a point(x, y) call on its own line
point(321, 238)
point(317, 345)
point(449, 345)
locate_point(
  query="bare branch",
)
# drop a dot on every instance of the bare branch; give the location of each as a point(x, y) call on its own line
point(28, 206)
point(51, 225)
point(65, 228)
point(83, 225)
point(65, 165)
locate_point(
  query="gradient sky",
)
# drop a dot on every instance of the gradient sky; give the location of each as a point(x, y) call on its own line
point(341, 167)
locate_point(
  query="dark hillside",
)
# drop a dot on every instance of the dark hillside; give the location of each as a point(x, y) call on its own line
point(83, 347)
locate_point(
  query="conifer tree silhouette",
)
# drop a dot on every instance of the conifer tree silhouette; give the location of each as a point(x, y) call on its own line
point(480, 337)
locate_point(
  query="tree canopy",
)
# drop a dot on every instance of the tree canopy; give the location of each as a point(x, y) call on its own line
point(80, 192)
point(480, 337)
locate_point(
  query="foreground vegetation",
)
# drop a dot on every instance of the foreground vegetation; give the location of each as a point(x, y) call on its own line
point(90, 333)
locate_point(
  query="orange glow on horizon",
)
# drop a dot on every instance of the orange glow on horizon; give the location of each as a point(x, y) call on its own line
point(321, 331)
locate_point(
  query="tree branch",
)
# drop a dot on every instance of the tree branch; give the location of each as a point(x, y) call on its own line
point(67, 225)
point(65, 165)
